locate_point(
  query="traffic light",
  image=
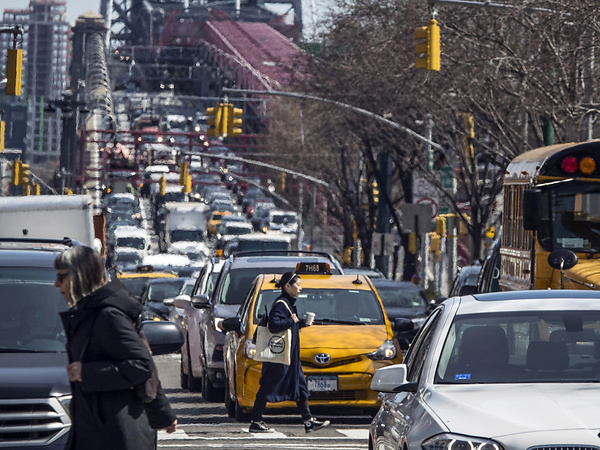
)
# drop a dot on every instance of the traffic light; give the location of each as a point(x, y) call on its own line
point(214, 120)
point(2, 130)
point(183, 172)
point(234, 124)
point(36, 189)
point(162, 186)
point(225, 113)
point(375, 192)
point(15, 172)
point(469, 136)
point(24, 175)
point(440, 225)
point(187, 184)
point(428, 46)
point(14, 67)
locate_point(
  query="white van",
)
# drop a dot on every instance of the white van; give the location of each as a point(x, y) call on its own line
point(283, 221)
point(128, 237)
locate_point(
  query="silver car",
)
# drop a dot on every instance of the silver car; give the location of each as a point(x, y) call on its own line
point(503, 371)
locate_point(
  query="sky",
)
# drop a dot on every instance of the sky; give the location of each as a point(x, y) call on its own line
point(75, 8)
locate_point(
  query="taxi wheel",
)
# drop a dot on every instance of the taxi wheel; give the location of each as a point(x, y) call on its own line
point(240, 415)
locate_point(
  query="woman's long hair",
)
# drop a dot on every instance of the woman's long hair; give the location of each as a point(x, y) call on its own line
point(86, 270)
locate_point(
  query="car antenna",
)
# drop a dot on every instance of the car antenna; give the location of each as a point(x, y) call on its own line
point(357, 281)
point(274, 280)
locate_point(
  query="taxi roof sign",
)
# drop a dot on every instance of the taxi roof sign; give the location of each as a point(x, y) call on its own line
point(313, 268)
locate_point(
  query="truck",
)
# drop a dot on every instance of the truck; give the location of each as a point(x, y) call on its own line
point(184, 222)
point(50, 217)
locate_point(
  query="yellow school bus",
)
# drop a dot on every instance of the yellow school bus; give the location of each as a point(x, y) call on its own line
point(551, 219)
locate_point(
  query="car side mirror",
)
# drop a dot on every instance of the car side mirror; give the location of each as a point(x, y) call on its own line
point(200, 301)
point(184, 302)
point(389, 378)
point(164, 337)
point(403, 324)
point(231, 324)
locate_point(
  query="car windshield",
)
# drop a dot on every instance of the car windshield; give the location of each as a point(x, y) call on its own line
point(30, 305)
point(132, 258)
point(529, 347)
point(393, 297)
point(331, 306)
point(157, 292)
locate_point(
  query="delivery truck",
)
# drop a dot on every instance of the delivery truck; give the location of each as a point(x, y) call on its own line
point(49, 217)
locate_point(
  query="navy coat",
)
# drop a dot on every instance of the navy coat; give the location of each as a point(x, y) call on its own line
point(105, 411)
point(279, 382)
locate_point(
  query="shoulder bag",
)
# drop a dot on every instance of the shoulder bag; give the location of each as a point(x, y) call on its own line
point(273, 347)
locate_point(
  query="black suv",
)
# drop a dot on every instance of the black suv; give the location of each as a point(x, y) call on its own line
point(34, 387)
point(232, 286)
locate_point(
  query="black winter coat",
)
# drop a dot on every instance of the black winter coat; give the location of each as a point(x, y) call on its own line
point(279, 382)
point(105, 411)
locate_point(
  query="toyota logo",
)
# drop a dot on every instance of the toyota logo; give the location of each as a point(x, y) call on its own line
point(322, 358)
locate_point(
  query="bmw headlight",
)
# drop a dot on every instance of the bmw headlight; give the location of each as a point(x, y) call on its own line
point(387, 350)
point(250, 349)
point(448, 441)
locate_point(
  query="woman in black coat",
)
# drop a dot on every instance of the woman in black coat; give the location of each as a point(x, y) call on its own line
point(279, 382)
point(107, 357)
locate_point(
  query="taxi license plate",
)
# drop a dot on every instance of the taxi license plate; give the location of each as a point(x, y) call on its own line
point(322, 384)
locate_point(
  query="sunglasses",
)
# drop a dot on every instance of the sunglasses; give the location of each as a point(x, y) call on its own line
point(61, 277)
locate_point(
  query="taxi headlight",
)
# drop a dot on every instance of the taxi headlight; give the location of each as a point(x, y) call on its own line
point(387, 350)
point(250, 349)
point(449, 441)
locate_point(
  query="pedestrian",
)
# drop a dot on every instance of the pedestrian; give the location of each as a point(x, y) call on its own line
point(279, 382)
point(107, 358)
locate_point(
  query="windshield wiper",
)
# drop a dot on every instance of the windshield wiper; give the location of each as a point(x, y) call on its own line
point(343, 322)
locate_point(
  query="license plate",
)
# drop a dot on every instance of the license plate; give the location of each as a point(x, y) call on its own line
point(322, 384)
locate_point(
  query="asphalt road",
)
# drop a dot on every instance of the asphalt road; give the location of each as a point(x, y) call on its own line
point(205, 425)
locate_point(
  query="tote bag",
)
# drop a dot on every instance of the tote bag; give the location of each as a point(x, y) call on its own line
point(273, 347)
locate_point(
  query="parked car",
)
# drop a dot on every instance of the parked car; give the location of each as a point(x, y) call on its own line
point(350, 338)
point(507, 371)
point(404, 299)
point(232, 285)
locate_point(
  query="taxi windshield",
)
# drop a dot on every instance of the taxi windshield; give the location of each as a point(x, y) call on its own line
point(30, 305)
point(331, 306)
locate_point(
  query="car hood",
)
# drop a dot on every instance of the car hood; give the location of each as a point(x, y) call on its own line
point(33, 375)
point(504, 410)
point(358, 338)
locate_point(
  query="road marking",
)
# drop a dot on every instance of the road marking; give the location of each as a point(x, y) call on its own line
point(178, 434)
point(355, 434)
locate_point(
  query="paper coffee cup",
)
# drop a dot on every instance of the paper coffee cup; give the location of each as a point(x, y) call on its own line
point(310, 318)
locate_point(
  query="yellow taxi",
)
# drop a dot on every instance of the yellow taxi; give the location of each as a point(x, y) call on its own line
point(214, 221)
point(350, 339)
point(136, 281)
